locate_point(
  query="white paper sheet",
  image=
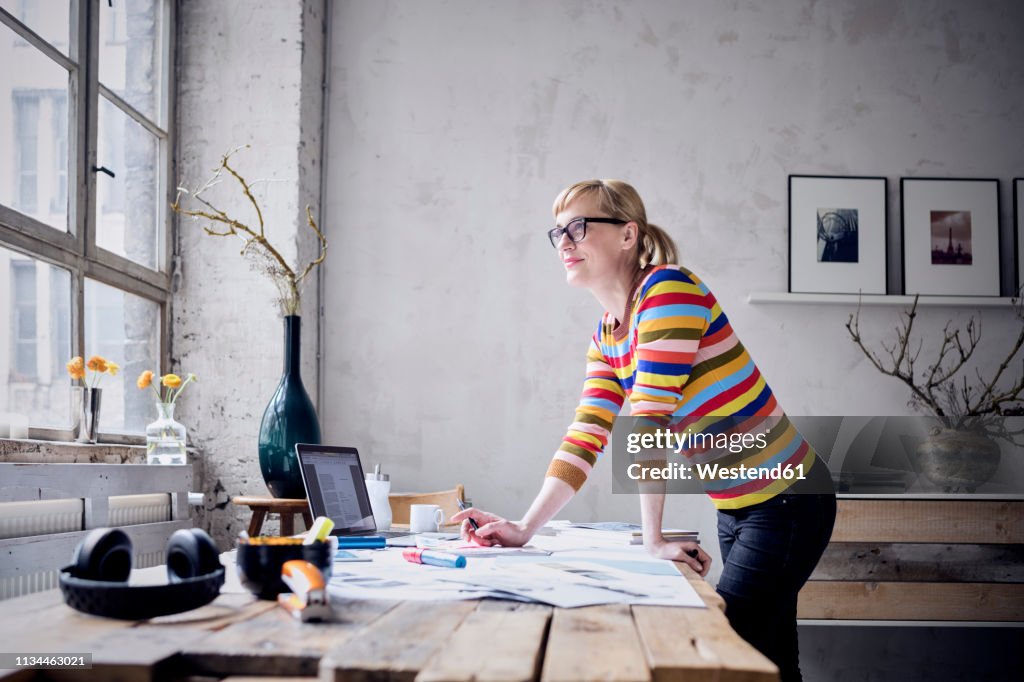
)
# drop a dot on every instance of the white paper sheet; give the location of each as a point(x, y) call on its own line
point(572, 576)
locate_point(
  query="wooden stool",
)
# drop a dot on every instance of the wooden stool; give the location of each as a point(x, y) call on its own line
point(287, 508)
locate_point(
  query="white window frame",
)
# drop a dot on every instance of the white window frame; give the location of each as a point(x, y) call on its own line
point(76, 250)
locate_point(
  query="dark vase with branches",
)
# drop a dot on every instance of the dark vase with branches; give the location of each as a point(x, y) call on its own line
point(289, 417)
point(962, 451)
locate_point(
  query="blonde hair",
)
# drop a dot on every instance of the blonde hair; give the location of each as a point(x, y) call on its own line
point(619, 200)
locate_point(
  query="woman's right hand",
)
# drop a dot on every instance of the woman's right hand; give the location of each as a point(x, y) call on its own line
point(493, 529)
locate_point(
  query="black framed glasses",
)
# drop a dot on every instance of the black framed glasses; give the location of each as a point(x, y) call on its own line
point(576, 229)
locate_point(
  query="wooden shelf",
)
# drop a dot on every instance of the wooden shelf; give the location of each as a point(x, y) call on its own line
point(880, 299)
point(946, 497)
point(924, 561)
point(832, 622)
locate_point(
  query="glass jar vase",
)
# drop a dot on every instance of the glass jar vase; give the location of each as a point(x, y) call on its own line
point(165, 438)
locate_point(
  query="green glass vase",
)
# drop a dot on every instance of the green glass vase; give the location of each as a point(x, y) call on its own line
point(290, 418)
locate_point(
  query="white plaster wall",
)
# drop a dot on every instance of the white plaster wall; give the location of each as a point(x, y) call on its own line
point(455, 350)
point(248, 73)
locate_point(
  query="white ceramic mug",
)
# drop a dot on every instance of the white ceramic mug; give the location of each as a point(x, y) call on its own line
point(425, 518)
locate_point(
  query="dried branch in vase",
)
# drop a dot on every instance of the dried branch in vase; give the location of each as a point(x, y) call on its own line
point(943, 388)
point(256, 248)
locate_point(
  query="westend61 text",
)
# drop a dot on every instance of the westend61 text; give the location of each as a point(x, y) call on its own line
point(674, 471)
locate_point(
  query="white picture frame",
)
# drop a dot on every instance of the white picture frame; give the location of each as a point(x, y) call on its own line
point(837, 234)
point(1018, 235)
point(950, 232)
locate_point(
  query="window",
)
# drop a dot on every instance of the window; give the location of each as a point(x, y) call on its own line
point(23, 326)
point(26, 144)
point(59, 133)
point(40, 154)
point(85, 260)
point(35, 342)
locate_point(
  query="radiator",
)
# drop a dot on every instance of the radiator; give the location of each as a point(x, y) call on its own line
point(44, 517)
point(19, 519)
point(128, 510)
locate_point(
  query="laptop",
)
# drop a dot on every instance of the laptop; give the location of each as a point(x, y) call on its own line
point(336, 488)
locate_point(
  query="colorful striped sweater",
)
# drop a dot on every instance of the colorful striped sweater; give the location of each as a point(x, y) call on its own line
point(677, 357)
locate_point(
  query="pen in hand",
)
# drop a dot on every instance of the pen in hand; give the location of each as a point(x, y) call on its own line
point(462, 507)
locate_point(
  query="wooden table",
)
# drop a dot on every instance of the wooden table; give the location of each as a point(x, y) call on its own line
point(238, 636)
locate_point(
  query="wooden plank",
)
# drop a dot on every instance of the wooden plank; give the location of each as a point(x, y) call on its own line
point(274, 643)
point(272, 504)
point(25, 621)
point(287, 523)
point(398, 645)
point(952, 521)
point(594, 642)
point(54, 623)
point(695, 645)
point(22, 482)
point(928, 562)
point(521, 630)
point(911, 601)
point(132, 654)
point(256, 523)
point(267, 679)
point(223, 611)
point(122, 650)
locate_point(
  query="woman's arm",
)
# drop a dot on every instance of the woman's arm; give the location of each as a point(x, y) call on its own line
point(672, 316)
point(652, 506)
point(495, 530)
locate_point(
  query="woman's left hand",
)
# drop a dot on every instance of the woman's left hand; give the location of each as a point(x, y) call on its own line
point(678, 551)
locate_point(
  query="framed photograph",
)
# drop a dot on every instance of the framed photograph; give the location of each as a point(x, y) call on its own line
point(1018, 234)
point(950, 236)
point(837, 234)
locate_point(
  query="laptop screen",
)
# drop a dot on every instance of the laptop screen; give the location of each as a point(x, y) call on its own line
point(336, 488)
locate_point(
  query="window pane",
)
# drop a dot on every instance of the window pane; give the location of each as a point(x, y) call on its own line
point(50, 19)
point(131, 54)
point(123, 328)
point(129, 198)
point(35, 305)
point(33, 132)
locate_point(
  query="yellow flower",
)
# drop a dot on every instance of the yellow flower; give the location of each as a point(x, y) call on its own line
point(97, 364)
point(113, 368)
point(76, 368)
point(170, 380)
point(145, 379)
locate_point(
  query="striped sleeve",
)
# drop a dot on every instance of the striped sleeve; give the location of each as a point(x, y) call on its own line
point(672, 315)
point(588, 434)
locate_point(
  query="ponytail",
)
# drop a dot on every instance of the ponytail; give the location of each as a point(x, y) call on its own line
point(656, 247)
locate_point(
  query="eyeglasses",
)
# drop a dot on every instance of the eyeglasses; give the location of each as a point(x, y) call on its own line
point(577, 229)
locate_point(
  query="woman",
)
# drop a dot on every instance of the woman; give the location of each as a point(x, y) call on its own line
point(665, 344)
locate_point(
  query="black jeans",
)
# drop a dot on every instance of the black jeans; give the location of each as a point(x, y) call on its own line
point(768, 552)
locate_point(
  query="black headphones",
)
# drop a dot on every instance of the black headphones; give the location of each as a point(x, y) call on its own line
point(96, 581)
